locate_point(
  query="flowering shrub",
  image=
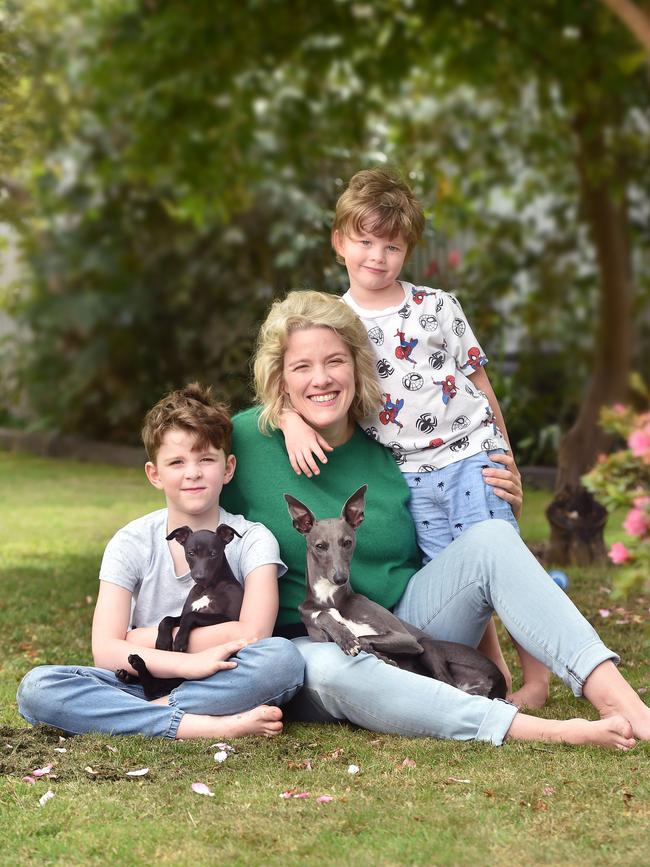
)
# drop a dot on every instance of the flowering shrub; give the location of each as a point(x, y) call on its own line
point(623, 479)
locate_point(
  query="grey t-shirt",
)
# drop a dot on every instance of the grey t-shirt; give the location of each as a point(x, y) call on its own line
point(138, 558)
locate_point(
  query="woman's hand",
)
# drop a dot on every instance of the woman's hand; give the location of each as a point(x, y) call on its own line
point(506, 482)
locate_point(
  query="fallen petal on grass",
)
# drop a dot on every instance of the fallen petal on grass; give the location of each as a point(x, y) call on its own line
point(42, 772)
point(409, 763)
point(60, 750)
point(45, 798)
point(89, 770)
point(353, 769)
point(292, 793)
point(139, 773)
point(324, 799)
point(29, 779)
point(202, 789)
point(221, 756)
point(225, 747)
point(549, 790)
point(604, 612)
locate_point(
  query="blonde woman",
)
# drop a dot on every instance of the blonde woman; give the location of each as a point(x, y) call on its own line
point(313, 357)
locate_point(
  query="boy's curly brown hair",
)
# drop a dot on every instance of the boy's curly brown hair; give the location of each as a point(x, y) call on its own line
point(193, 409)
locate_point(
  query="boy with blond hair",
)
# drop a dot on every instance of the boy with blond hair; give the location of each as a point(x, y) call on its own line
point(440, 415)
point(236, 676)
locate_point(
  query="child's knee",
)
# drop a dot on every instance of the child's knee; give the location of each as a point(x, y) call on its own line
point(31, 692)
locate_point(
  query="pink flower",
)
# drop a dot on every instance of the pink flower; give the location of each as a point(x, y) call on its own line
point(453, 258)
point(618, 553)
point(641, 502)
point(619, 408)
point(639, 442)
point(637, 522)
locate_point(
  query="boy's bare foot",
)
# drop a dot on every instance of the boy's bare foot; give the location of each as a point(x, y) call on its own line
point(530, 695)
point(264, 720)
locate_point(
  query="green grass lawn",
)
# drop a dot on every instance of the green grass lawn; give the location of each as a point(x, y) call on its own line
point(461, 804)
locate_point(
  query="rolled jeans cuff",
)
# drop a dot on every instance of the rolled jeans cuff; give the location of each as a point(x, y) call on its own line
point(584, 662)
point(497, 722)
point(177, 716)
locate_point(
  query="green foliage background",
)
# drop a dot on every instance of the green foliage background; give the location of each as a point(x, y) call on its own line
point(178, 168)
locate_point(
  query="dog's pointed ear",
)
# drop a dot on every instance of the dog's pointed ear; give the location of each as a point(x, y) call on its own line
point(181, 534)
point(303, 519)
point(226, 533)
point(354, 509)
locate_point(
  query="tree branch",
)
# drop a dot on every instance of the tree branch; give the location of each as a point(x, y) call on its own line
point(634, 18)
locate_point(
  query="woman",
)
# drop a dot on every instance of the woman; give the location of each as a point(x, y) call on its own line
point(313, 356)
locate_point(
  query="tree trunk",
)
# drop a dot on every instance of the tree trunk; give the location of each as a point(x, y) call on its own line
point(580, 446)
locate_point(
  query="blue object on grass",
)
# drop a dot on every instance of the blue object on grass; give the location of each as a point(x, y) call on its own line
point(560, 578)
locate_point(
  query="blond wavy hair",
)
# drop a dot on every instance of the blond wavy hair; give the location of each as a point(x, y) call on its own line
point(378, 201)
point(310, 309)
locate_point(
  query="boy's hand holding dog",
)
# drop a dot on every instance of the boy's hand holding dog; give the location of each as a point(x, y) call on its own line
point(196, 666)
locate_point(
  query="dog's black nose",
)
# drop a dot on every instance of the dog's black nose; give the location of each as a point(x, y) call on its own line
point(340, 578)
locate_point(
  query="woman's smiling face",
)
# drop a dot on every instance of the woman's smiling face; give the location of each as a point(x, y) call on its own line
point(318, 379)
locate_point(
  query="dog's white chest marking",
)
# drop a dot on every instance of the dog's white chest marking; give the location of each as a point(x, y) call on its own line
point(355, 628)
point(200, 604)
point(322, 590)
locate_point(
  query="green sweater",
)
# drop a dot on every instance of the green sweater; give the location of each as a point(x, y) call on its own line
point(386, 556)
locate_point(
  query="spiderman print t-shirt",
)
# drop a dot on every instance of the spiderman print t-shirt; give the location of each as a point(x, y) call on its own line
point(432, 414)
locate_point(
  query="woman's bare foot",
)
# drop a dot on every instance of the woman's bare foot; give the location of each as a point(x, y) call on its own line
point(614, 732)
point(264, 720)
point(612, 695)
point(531, 695)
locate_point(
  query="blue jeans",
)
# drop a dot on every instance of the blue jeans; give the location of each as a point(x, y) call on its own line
point(81, 699)
point(445, 502)
point(487, 569)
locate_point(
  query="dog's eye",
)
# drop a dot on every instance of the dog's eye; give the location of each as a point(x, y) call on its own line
point(213, 554)
point(322, 546)
point(190, 553)
point(346, 543)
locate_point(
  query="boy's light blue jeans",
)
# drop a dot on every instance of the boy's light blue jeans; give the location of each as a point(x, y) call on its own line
point(446, 502)
point(81, 699)
point(487, 569)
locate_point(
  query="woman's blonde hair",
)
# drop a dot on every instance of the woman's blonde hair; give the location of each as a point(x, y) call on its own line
point(309, 309)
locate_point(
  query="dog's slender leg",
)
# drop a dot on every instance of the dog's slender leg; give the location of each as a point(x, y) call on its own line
point(164, 639)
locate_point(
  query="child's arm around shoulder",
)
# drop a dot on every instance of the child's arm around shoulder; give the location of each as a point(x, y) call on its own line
point(303, 444)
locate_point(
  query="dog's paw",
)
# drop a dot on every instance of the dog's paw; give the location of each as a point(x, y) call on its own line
point(351, 648)
point(137, 662)
point(122, 675)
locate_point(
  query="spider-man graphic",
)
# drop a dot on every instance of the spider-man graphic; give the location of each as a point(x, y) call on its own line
point(419, 294)
point(390, 410)
point(405, 347)
point(449, 388)
point(474, 359)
